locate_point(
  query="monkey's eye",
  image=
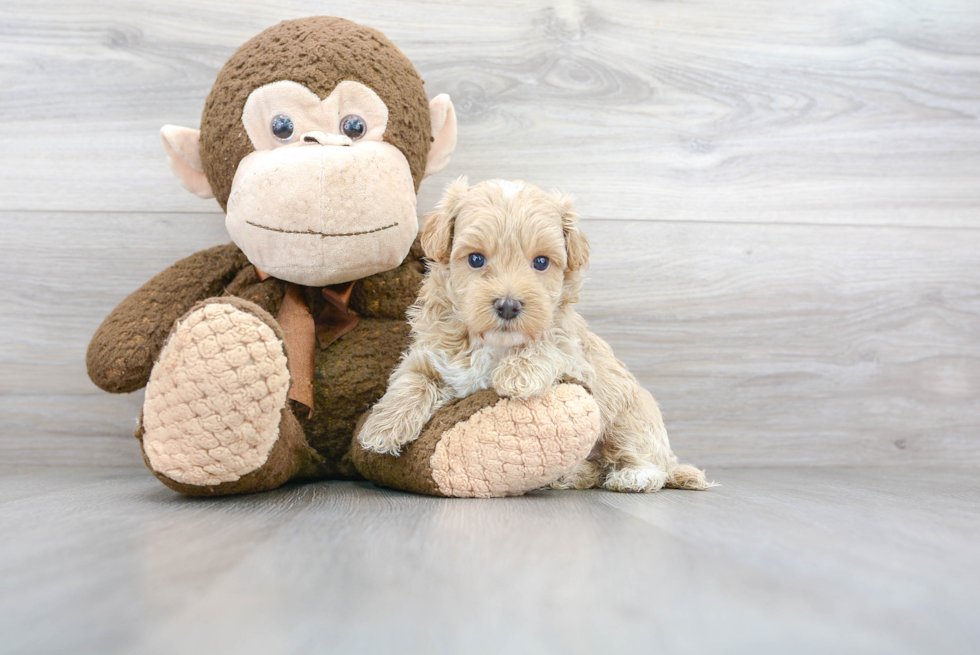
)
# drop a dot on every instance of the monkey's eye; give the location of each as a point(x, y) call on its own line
point(353, 126)
point(282, 127)
point(476, 260)
point(540, 263)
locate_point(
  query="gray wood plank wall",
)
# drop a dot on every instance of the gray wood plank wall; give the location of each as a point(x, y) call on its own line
point(783, 198)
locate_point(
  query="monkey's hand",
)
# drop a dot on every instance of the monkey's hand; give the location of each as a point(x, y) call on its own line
point(530, 372)
point(124, 348)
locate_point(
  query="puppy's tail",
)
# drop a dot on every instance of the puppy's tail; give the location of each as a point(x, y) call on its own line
point(685, 476)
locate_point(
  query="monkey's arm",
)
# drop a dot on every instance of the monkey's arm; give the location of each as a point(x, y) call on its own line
point(126, 345)
point(414, 394)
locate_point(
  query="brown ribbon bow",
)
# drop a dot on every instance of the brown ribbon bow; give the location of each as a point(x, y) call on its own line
point(302, 331)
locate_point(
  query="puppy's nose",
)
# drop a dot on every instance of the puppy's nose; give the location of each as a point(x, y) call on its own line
point(507, 308)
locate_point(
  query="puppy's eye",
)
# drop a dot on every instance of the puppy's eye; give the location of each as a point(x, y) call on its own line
point(476, 260)
point(282, 127)
point(540, 263)
point(353, 126)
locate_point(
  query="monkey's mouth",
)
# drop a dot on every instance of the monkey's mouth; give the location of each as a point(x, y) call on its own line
point(322, 235)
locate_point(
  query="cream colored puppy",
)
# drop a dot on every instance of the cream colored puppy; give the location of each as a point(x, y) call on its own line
point(496, 310)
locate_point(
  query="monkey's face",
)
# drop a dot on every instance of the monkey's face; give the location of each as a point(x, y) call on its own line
point(323, 199)
point(318, 188)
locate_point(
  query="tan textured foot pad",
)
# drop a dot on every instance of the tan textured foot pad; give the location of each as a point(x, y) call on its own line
point(214, 399)
point(516, 446)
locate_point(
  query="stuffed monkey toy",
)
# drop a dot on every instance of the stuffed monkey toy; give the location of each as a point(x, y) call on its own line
point(260, 357)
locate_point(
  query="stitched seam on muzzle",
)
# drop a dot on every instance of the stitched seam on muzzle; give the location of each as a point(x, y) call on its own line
point(322, 234)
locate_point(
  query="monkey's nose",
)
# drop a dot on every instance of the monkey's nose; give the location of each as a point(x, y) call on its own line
point(507, 308)
point(325, 139)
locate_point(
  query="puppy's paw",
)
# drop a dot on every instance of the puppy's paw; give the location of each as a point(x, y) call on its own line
point(520, 378)
point(383, 442)
point(585, 475)
point(385, 433)
point(641, 479)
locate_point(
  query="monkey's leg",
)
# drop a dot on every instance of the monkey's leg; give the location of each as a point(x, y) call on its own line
point(484, 446)
point(215, 419)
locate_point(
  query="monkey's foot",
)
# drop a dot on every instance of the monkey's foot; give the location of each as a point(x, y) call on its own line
point(484, 445)
point(215, 397)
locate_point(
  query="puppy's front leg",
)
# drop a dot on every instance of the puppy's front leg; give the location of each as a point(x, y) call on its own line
point(398, 418)
point(531, 371)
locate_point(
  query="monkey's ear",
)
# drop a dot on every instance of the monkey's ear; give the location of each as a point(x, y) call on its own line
point(183, 148)
point(443, 117)
point(576, 245)
point(437, 235)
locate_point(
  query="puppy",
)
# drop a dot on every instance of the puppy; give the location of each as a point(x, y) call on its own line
point(497, 310)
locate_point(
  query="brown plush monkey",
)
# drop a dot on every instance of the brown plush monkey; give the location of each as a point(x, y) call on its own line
point(260, 356)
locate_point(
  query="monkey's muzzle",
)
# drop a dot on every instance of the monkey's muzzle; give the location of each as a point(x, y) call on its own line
point(324, 214)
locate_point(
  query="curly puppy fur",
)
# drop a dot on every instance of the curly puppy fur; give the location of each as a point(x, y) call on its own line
point(462, 343)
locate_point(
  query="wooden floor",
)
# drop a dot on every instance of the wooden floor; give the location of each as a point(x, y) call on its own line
point(784, 205)
point(774, 561)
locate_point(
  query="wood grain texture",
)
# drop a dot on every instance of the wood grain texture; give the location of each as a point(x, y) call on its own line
point(784, 206)
point(774, 561)
point(791, 344)
point(783, 201)
point(827, 112)
point(798, 344)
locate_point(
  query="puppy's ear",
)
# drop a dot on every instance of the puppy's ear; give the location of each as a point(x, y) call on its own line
point(437, 235)
point(576, 245)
